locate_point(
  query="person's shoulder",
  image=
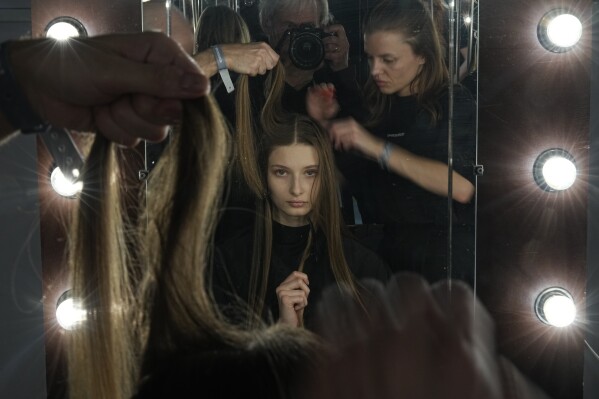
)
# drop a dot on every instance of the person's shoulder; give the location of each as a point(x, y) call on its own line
point(363, 261)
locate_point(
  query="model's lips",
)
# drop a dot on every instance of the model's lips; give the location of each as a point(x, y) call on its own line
point(380, 82)
point(296, 204)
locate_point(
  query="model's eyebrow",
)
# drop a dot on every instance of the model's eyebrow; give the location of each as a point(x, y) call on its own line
point(311, 166)
point(279, 166)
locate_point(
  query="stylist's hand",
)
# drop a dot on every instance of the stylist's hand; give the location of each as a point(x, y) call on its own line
point(321, 103)
point(413, 341)
point(293, 298)
point(127, 87)
point(250, 59)
point(347, 134)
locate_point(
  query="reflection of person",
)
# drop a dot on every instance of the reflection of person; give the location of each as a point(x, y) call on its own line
point(408, 100)
point(277, 17)
point(419, 341)
point(188, 349)
point(125, 86)
point(298, 247)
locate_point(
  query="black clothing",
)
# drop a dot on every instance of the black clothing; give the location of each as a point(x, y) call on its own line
point(232, 268)
point(415, 219)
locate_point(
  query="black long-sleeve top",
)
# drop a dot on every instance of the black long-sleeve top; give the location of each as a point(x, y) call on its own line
point(231, 268)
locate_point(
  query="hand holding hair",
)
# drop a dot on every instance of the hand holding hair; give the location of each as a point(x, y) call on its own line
point(293, 298)
point(126, 86)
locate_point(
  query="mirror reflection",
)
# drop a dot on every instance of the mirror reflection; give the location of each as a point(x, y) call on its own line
point(391, 85)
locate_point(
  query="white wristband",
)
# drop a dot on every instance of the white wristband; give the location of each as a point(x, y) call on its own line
point(222, 68)
point(384, 157)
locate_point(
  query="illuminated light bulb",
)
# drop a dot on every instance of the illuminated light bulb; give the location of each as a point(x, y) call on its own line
point(68, 313)
point(555, 306)
point(555, 170)
point(64, 186)
point(63, 28)
point(559, 31)
point(564, 30)
point(559, 173)
point(467, 19)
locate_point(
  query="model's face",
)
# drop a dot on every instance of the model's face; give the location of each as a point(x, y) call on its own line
point(393, 64)
point(293, 183)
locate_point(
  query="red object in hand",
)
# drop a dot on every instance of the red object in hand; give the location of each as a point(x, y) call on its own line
point(328, 93)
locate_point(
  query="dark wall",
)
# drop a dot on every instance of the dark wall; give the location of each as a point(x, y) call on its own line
point(591, 366)
point(531, 100)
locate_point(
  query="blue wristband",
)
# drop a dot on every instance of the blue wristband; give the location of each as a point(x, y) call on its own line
point(13, 104)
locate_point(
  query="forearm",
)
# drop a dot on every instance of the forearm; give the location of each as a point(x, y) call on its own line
point(206, 61)
point(431, 175)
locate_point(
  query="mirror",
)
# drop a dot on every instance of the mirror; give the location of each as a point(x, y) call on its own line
point(457, 24)
point(499, 24)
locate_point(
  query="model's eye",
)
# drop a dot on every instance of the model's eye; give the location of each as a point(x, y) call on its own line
point(280, 172)
point(311, 172)
point(388, 60)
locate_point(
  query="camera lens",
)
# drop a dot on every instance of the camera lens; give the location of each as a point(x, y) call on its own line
point(306, 50)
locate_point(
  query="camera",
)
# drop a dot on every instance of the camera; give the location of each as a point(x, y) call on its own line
point(306, 49)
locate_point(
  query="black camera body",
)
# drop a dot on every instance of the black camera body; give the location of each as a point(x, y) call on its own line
point(306, 49)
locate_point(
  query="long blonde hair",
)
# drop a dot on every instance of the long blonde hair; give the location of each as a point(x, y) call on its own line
point(143, 287)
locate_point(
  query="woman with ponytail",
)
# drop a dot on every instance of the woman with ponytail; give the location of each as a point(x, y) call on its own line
point(403, 169)
point(297, 246)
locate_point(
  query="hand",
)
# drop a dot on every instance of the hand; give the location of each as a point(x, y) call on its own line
point(251, 58)
point(336, 47)
point(347, 134)
point(293, 298)
point(416, 341)
point(321, 103)
point(127, 87)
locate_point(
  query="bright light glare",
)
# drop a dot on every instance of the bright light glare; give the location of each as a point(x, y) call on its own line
point(559, 310)
point(559, 173)
point(467, 19)
point(64, 186)
point(564, 30)
point(62, 31)
point(69, 314)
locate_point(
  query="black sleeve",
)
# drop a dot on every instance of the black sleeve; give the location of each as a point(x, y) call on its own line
point(365, 263)
point(464, 133)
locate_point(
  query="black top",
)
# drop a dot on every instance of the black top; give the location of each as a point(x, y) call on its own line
point(232, 268)
point(387, 198)
point(416, 220)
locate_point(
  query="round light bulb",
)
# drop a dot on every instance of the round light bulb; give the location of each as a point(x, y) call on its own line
point(559, 173)
point(555, 306)
point(63, 186)
point(564, 30)
point(554, 170)
point(63, 28)
point(62, 31)
point(559, 311)
point(68, 313)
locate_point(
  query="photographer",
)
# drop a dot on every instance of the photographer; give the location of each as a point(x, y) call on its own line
point(305, 27)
